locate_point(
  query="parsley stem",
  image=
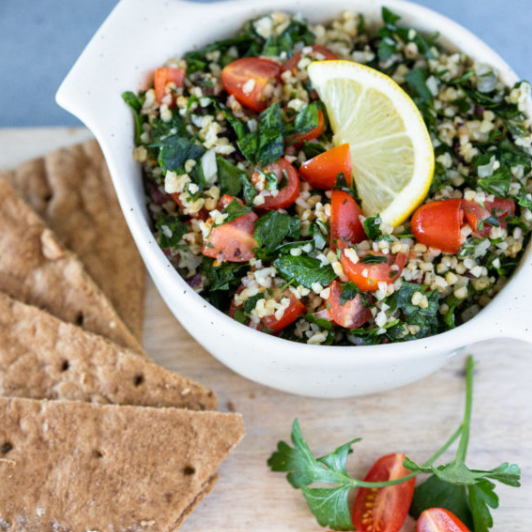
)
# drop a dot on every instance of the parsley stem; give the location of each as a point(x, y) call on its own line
point(385, 484)
point(430, 461)
point(464, 440)
point(446, 445)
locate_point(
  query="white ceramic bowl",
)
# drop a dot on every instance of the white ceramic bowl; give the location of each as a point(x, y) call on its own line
point(140, 35)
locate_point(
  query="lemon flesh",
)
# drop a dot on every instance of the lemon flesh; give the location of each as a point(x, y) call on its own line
point(391, 150)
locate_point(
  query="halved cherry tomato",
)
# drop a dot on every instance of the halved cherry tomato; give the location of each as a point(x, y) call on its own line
point(439, 520)
point(384, 509)
point(345, 219)
point(319, 52)
point(474, 212)
point(166, 75)
point(367, 276)
point(438, 224)
point(247, 78)
point(314, 133)
point(232, 241)
point(291, 313)
point(288, 194)
point(322, 171)
point(352, 314)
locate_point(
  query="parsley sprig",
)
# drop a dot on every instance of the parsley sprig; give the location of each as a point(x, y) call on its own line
point(472, 490)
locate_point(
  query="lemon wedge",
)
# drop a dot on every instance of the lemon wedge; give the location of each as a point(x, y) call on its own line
point(391, 150)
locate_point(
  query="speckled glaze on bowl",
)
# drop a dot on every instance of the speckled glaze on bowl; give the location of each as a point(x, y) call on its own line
point(140, 35)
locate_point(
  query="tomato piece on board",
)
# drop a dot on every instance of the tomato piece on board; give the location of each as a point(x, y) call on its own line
point(345, 219)
point(438, 225)
point(284, 171)
point(322, 171)
point(314, 133)
point(232, 241)
point(246, 79)
point(439, 520)
point(368, 274)
point(384, 509)
point(479, 217)
point(352, 314)
point(165, 75)
point(318, 53)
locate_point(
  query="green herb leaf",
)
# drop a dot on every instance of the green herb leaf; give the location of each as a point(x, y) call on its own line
point(230, 177)
point(170, 230)
point(312, 149)
point(272, 229)
point(296, 32)
point(174, 151)
point(389, 17)
point(349, 291)
point(369, 258)
point(270, 145)
point(248, 144)
point(251, 302)
point(320, 322)
point(304, 270)
point(482, 497)
point(135, 103)
point(306, 120)
point(417, 81)
point(524, 201)
point(424, 318)
point(224, 277)
point(329, 506)
point(372, 227)
point(235, 209)
point(435, 493)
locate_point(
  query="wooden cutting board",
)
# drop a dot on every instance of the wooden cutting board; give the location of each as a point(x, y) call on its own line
point(416, 419)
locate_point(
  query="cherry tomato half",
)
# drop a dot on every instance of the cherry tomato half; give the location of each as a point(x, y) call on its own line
point(438, 224)
point(282, 169)
point(345, 219)
point(368, 275)
point(474, 212)
point(318, 53)
point(439, 520)
point(247, 78)
point(314, 133)
point(384, 509)
point(162, 77)
point(322, 171)
point(352, 314)
point(232, 241)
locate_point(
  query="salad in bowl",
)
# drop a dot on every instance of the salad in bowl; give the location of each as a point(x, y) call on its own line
point(337, 183)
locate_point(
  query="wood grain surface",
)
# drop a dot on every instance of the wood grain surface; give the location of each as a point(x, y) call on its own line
point(416, 419)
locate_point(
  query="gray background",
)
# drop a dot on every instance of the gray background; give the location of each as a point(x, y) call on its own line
point(41, 39)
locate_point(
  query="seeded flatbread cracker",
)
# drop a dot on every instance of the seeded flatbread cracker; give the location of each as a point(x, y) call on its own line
point(69, 465)
point(71, 190)
point(42, 357)
point(36, 269)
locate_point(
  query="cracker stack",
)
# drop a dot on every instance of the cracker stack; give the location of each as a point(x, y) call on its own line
point(93, 435)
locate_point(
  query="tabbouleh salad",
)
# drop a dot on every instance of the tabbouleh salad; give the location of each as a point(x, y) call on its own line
point(255, 206)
